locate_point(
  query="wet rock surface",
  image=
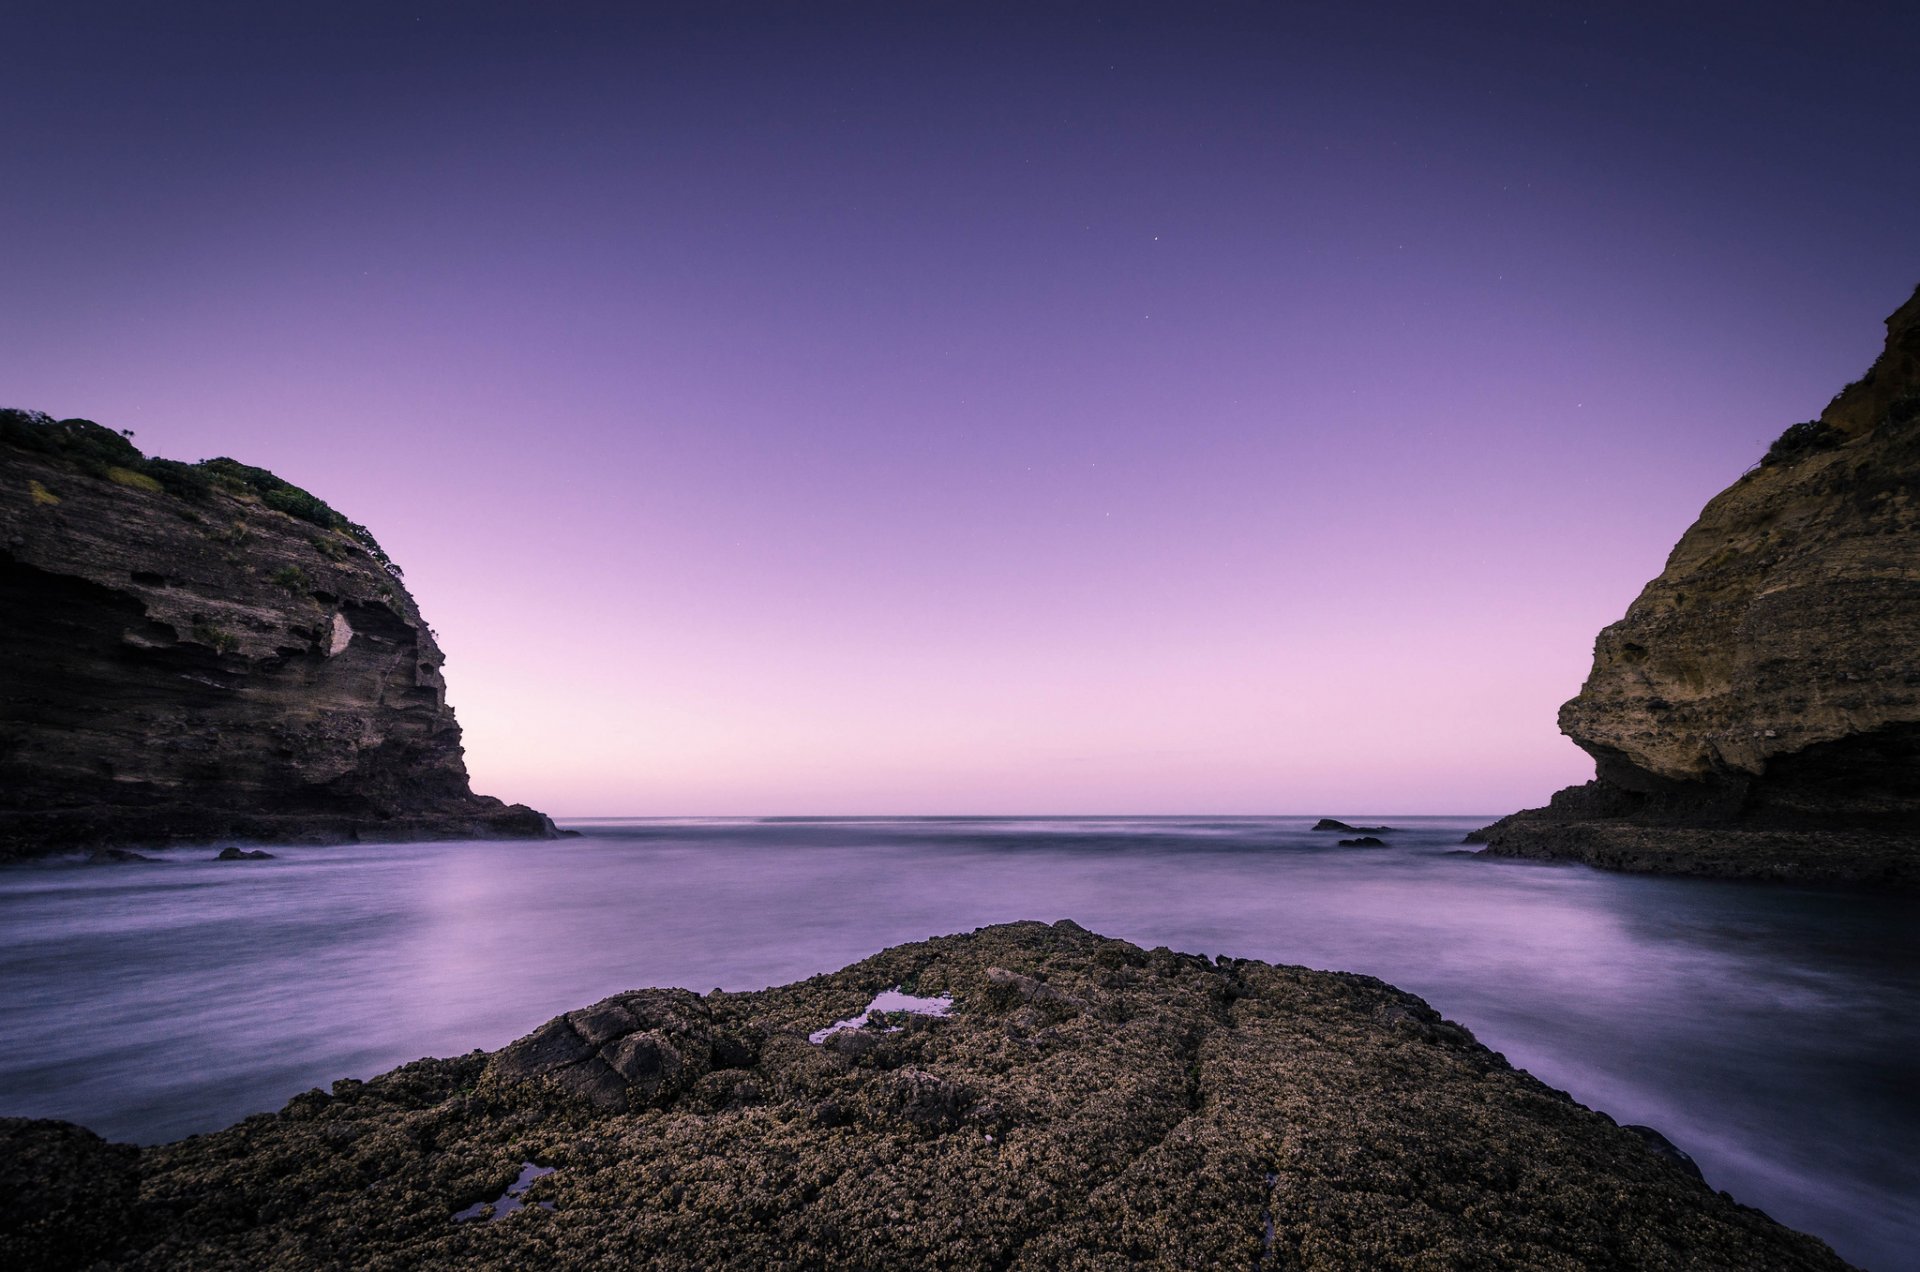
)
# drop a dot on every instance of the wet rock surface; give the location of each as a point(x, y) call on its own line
point(188, 661)
point(1085, 1104)
point(1756, 713)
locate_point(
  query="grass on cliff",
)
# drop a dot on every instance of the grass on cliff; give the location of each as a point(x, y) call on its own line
point(101, 452)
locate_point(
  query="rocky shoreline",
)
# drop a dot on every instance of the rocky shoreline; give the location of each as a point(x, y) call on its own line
point(1868, 860)
point(1080, 1103)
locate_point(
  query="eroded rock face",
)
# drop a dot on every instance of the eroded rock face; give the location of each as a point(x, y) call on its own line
point(1768, 682)
point(178, 668)
point(1086, 1104)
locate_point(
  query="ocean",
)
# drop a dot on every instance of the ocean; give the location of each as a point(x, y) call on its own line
point(1772, 1032)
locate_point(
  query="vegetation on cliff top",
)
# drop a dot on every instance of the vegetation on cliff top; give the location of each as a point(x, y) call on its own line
point(101, 452)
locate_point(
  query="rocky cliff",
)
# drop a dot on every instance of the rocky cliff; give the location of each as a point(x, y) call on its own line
point(196, 652)
point(1757, 711)
point(1084, 1103)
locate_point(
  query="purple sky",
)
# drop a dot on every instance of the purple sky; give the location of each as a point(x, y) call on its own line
point(954, 408)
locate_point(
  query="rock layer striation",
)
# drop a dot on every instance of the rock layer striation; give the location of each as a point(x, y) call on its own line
point(1084, 1104)
point(200, 652)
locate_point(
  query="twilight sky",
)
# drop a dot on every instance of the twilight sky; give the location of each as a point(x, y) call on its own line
point(839, 408)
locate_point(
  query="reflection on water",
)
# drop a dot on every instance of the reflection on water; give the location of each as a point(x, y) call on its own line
point(1773, 1033)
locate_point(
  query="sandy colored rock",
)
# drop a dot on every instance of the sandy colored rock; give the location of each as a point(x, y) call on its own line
point(1086, 1104)
point(1761, 697)
point(190, 662)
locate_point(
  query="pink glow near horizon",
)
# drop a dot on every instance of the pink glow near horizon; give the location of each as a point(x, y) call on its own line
point(823, 436)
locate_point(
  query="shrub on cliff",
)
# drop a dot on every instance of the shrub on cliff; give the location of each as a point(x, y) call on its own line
point(188, 481)
point(101, 452)
point(286, 497)
point(82, 442)
point(1801, 440)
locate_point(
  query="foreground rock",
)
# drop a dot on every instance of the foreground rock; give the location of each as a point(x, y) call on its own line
point(71, 1196)
point(1757, 711)
point(1086, 1104)
point(202, 652)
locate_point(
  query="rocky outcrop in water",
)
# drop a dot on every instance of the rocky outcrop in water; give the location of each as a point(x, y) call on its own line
point(1757, 711)
point(197, 652)
point(1084, 1104)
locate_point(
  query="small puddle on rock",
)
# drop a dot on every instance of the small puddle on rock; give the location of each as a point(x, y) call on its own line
point(1266, 1227)
point(887, 1000)
point(509, 1201)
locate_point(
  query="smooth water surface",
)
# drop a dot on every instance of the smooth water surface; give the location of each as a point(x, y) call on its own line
point(1771, 1032)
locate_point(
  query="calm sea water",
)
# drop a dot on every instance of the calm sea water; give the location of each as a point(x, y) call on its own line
point(1772, 1032)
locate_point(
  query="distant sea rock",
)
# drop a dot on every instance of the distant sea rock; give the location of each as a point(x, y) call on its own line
point(1757, 711)
point(202, 652)
point(1084, 1104)
point(1328, 823)
point(1364, 841)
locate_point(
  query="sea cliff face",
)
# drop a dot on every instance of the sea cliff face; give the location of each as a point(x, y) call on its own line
point(1757, 710)
point(195, 652)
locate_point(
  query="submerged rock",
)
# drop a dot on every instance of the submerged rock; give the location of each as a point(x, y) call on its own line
point(1365, 841)
point(205, 652)
point(1086, 1103)
point(1757, 710)
point(233, 853)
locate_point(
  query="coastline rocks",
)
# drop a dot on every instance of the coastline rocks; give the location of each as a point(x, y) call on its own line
point(1757, 710)
point(1364, 841)
point(197, 653)
point(70, 1195)
point(234, 853)
point(1328, 823)
point(1086, 1103)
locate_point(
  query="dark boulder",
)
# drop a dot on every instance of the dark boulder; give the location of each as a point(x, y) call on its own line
point(628, 1051)
point(1661, 1146)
